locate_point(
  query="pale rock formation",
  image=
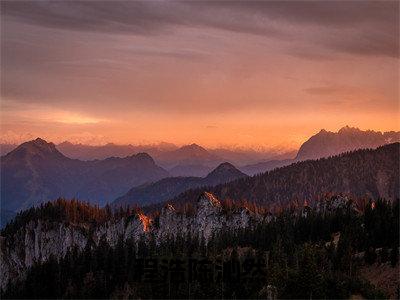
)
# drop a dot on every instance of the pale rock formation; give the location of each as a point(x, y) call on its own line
point(39, 240)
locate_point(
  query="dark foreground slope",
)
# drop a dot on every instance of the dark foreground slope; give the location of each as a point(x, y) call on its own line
point(317, 255)
point(362, 173)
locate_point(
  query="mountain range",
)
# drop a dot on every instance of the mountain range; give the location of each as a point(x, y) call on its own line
point(225, 213)
point(170, 156)
point(188, 160)
point(36, 171)
point(370, 173)
point(168, 188)
point(195, 160)
point(326, 143)
point(89, 152)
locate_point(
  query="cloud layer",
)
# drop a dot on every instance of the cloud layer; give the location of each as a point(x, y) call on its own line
point(216, 62)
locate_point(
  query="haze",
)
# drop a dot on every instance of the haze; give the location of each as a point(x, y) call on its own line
point(245, 74)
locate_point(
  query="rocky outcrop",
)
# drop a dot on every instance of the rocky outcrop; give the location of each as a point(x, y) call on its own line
point(36, 242)
point(210, 217)
point(39, 240)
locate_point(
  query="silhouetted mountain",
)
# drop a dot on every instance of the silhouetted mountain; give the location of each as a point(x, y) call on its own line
point(87, 152)
point(36, 149)
point(189, 160)
point(250, 156)
point(168, 188)
point(36, 171)
point(362, 173)
point(326, 143)
point(188, 155)
point(263, 167)
point(225, 172)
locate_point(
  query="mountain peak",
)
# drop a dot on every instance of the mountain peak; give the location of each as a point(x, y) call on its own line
point(326, 143)
point(38, 147)
point(225, 166)
point(193, 147)
point(348, 129)
point(41, 144)
point(40, 141)
point(227, 171)
point(144, 156)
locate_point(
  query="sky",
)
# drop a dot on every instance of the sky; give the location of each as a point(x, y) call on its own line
point(216, 73)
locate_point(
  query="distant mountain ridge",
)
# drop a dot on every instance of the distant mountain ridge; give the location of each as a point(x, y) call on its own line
point(188, 160)
point(192, 154)
point(326, 143)
point(36, 171)
point(168, 188)
point(88, 152)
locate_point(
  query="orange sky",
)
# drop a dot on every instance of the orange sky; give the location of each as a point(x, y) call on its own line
point(268, 74)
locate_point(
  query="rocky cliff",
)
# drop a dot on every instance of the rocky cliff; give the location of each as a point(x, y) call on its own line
point(38, 240)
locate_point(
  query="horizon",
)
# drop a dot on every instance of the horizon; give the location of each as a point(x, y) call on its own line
point(150, 72)
point(166, 144)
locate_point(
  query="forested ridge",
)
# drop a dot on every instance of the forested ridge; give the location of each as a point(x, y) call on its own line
point(361, 173)
point(67, 211)
point(298, 248)
point(293, 256)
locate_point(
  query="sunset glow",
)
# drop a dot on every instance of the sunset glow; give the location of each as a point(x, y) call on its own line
point(271, 80)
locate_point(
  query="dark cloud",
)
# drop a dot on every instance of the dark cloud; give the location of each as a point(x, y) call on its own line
point(103, 16)
point(368, 41)
point(147, 16)
point(189, 56)
point(370, 27)
point(138, 17)
point(323, 13)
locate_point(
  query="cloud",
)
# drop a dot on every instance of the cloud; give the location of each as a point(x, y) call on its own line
point(163, 67)
point(331, 90)
point(356, 27)
point(138, 17)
